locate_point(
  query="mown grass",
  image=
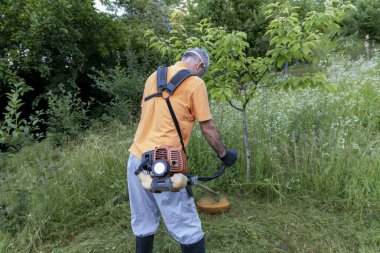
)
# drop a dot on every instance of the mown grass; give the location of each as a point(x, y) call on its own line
point(252, 225)
point(316, 161)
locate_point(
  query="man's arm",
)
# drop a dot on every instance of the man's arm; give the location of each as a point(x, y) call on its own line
point(212, 135)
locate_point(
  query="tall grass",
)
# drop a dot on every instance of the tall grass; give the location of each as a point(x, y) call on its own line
point(309, 141)
point(50, 193)
point(305, 143)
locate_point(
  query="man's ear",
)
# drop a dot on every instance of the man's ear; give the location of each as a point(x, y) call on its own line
point(199, 66)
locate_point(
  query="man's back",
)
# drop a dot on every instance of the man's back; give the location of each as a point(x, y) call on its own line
point(156, 127)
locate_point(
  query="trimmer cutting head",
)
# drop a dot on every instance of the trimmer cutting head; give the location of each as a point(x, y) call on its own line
point(213, 204)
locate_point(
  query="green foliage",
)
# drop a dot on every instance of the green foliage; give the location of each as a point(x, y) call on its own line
point(306, 6)
point(351, 45)
point(15, 130)
point(365, 20)
point(13, 125)
point(139, 16)
point(235, 77)
point(67, 114)
point(317, 165)
point(47, 43)
point(229, 64)
point(292, 38)
point(306, 80)
point(308, 140)
point(124, 90)
point(57, 39)
point(321, 148)
point(54, 192)
point(7, 76)
point(237, 15)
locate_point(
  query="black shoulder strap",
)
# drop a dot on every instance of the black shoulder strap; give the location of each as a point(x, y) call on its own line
point(176, 124)
point(173, 84)
point(176, 80)
point(162, 73)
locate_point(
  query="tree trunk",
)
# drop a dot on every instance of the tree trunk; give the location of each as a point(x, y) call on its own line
point(366, 45)
point(246, 143)
point(286, 69)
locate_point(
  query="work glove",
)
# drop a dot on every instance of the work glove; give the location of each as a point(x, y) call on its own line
point(179, 181)
point(230, 158)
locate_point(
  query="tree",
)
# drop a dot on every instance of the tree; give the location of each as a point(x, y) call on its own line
point(295, 38)
point(56, 41)
point(365, 20)
point(236, 15)
point(138, 16)
point(51, 42)
point(235, 77)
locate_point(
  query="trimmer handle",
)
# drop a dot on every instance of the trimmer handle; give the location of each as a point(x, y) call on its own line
point(194, 179)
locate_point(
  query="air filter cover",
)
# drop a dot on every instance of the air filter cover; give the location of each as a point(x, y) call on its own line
point(174, 156)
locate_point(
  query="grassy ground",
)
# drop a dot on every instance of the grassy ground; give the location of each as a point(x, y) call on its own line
point(315, 187)
point(252, 225)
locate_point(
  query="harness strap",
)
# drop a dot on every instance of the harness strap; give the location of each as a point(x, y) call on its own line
point(170, 87)
point(176, 124)
point(162, 73)
point(161, 83)
point(158, 94)
point(176, 80)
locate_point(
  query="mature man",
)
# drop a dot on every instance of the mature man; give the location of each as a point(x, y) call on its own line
point(157, 127)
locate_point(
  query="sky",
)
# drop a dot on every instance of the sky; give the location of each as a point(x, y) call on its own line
point(99, 6)
point(103, 8)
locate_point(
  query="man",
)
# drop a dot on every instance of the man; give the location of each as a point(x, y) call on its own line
point(156, 128)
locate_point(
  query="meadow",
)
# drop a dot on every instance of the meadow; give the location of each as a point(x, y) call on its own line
point(314, 188)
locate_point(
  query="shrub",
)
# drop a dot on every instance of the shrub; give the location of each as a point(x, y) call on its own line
point(124, 89)
point(67, 115)
point(53, 192)
point(14, 129)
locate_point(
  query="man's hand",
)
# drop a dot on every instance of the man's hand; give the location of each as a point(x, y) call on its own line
point(230, 158)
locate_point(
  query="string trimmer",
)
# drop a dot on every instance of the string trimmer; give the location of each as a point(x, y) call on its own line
point(166, 170)
point(215, 202)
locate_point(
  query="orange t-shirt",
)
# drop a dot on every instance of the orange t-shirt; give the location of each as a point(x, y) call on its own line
point(156, 126)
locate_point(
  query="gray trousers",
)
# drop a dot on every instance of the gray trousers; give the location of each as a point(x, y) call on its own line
point(176, 208)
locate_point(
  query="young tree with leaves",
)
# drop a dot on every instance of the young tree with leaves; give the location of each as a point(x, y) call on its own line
point(235, 77)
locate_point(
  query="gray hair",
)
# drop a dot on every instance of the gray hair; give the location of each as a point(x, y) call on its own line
point(197, 54)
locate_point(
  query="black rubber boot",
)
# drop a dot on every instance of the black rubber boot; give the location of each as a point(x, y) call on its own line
point(144, 244)
point(198, 247)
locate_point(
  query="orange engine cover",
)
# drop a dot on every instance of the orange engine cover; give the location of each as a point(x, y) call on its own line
point(174, 156)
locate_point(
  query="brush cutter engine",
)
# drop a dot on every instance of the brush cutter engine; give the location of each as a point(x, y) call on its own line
point(174, 159)
point(165, 167)
point(166, 170)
